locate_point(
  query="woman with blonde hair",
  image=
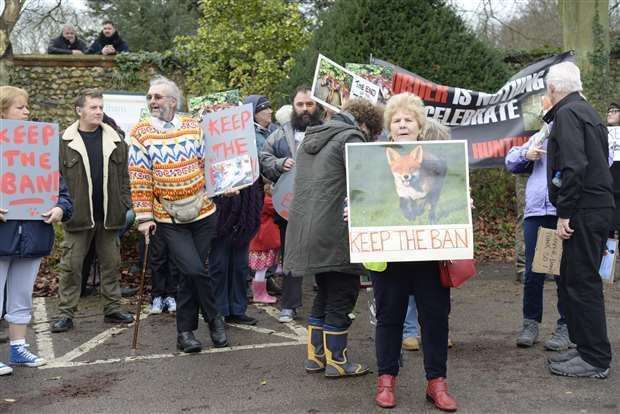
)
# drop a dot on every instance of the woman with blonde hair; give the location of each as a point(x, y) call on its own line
point(405, 120)
point(23, 243)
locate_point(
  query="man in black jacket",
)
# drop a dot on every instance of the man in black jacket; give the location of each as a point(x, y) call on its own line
point(580, 186)
point(67, 43)
point(109, 42)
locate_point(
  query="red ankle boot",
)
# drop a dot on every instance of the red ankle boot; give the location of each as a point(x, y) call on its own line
point(385, 397)
point(437, 393)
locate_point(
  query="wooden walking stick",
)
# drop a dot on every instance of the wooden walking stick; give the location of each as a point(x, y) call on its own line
point(136, 327)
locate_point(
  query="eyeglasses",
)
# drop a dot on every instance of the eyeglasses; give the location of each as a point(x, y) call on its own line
point(157, 97)
point(613, 111)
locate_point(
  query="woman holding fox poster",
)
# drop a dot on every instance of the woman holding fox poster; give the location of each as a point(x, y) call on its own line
point(394, 282)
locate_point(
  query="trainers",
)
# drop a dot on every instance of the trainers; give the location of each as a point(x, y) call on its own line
point(287, 315)
point(563, 357)
point(5, 369)
point(577, 367)
point(170, 304)
point(559, 341)
point(529, 334)
point(157, 306)
point(21, 356)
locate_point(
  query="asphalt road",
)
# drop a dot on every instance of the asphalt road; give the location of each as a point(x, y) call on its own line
point(262, 372)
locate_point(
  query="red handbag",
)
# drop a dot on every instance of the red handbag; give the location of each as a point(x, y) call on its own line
point(453, 273)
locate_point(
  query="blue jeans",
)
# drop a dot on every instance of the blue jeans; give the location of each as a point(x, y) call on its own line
point(410, 327)
point(534, 282)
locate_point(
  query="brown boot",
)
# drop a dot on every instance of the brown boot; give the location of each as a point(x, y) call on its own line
point(437, 393)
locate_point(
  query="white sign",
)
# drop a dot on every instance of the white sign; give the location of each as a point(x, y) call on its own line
point(125, 109)
point(614, 142)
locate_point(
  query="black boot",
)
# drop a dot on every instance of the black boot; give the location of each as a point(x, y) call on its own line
point(62, 324)
point(337, 364)
point(218, 332)
point(186, 342)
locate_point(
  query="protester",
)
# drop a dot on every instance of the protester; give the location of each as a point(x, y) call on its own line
point(23, 244)
point(108, 42)
point(411, 329)
point(93, 161)
point(264, 250)
point(581, 189)
point(613, 120)
point(238, 222)
point(317, 236)
point(394, 282)
point(179, 209)
point(284, 114)
point(164, 276)
point(538, 212)
point(67, 43)
point(262, 118)
point(278, 157)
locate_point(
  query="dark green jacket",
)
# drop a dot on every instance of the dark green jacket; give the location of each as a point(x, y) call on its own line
point(75, 169)
point(317, 238)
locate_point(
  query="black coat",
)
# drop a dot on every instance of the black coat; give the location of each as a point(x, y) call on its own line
point(578, 148)
point(61, 46)
point(115, 40)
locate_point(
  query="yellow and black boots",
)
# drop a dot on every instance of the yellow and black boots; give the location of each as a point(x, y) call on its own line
point(336, 363)
point(316, 352)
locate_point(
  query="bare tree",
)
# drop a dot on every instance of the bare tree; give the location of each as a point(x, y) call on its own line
point(8, 18)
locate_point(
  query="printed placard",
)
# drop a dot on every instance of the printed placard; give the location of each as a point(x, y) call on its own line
point(199, 106)
point(377, 75)
point(333, 85)
point(282, 194)
point(548, 254)
point(29, 174)
point(126, 109)
point(230, 148)
point(409, 201)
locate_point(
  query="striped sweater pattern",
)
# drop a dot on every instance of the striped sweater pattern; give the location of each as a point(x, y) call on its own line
point(166, 165)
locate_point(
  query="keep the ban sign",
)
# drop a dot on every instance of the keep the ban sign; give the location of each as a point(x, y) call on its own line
point(29, 175)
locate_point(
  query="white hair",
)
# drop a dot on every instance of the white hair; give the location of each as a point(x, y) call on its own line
point(565, 78)
point(283, 115)
point(174, 89)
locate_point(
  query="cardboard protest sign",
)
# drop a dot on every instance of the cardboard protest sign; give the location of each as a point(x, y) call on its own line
point(29, 174)
point(608, 264)
point(492, 123)
point(548, 254)
point(413, 206)
point(282, 194)
point(377, 75)
point(333, 85)
point(230, 149)
point(125, 108)
point(199, 106)
point(614, 142)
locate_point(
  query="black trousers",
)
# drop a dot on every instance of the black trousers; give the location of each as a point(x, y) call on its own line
point(164, 274)
point(581, 287)
point(392, 289)
point(335, 299)
point(291, 285)
point(189, 246)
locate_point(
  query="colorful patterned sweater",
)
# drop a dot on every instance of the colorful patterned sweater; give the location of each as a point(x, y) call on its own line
point(166, 165)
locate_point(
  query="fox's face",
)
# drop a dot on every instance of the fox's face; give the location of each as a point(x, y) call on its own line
point(406, 170)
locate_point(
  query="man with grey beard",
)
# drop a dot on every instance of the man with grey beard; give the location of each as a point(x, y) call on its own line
point(278, 157)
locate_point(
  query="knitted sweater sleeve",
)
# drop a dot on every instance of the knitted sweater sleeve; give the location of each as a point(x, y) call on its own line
point(140, 175)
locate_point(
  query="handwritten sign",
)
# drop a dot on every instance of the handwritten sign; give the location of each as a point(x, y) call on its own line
point(282, 194)
point(29, 175)
point(548, 254)
point(415, 204)
point(614, 142)
point(230, 149)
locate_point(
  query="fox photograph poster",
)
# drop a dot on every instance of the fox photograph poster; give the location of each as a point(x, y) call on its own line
point(409, 201)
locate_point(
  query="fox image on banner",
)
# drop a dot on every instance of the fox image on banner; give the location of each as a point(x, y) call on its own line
point(409, 201)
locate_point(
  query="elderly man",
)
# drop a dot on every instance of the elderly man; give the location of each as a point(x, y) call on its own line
point(278, 157)
point(67, 43)
point(166, 168)
point(93, 162)
point(580, 186)
point(262, 118)
point(109, 42)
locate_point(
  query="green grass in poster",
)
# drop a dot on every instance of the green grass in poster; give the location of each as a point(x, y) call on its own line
point(374, 201)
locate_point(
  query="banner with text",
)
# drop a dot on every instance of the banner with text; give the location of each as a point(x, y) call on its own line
point(492, 123)
point(126, 109)
point(415, 204)
point(283, 191)
point(230, 149)
point(29, 174)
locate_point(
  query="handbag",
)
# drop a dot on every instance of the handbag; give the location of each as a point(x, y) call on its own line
point(453, 273)
point(186, 209)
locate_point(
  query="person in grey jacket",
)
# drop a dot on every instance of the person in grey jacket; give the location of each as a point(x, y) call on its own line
point(278, 157)
point(67, 43)
point(317, 235)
